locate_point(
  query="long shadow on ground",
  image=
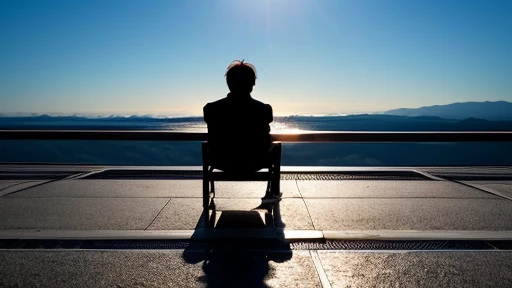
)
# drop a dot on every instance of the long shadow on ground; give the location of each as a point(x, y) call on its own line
point(241, 262)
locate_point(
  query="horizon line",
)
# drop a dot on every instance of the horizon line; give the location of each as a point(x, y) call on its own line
point(169, 116)
point(163, 116)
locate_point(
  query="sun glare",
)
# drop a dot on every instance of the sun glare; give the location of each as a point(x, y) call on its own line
point(268, 10)
point(283, 128)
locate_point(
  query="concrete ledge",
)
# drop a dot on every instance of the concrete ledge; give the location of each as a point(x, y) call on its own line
point(303, 234)
point(202, 234)
point(414, 235)
point(96, 234)
point(199, 234)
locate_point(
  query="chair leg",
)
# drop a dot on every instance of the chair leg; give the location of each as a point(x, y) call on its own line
point(211, 183)
point(276, 179)
point(212, 219)
point(276, 168)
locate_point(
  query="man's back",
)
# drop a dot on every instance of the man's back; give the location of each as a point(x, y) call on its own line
point(238, 132)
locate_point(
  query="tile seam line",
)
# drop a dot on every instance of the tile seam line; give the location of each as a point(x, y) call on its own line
point(305, 204)
point(324, 280)
point(34, 186)
point(480, 189)
point(159, 212)
point(16, 184)
point(85, 174)
point(497, 193)
point(428, 175)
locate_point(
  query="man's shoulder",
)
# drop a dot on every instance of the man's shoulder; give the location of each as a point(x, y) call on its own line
point(260, 104)
point(230, 102)
point(219, 102)
point(216, 105)
point(227, 107)
point(263, 110)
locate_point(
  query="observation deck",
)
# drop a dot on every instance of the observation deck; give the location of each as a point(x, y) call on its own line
point(101, 225)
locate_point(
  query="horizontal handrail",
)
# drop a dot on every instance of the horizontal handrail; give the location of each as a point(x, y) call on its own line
point(338, 136)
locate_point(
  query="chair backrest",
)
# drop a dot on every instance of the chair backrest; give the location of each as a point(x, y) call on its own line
point(240, 174)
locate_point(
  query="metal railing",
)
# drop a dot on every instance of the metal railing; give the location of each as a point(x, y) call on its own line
point(339, 136)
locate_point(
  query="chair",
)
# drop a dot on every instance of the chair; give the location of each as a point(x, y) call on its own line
point(272, 175)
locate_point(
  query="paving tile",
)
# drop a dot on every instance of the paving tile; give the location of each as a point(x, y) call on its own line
point(288, 214)
point(295, 215)
point(180, 214)
point(411, 214)
point(79, 213)
point(425, 269)
point(154, 269)
point(388, 189)
point(253, 189)
point(500, 187)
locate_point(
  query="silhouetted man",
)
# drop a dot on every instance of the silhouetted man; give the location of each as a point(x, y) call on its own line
point(238, 125)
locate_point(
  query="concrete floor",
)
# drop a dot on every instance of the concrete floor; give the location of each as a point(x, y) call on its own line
point(85, 204)
point(172, 268)
point(440, 206)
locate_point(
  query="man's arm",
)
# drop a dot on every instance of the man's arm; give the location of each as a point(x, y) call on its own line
point(270, 116)
point(206, 110)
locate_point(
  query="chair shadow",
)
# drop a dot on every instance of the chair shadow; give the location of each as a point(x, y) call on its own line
point(239, 261)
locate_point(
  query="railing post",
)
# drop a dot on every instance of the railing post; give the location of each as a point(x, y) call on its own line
point(206, 181)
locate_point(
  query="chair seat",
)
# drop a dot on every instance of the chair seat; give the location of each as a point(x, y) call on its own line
point(254, 176)
point(271, 174)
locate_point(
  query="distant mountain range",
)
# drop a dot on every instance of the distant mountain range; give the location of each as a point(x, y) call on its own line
point(496, 111)
point(456, 117)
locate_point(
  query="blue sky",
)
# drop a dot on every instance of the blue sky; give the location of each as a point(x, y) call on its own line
point(312, 56)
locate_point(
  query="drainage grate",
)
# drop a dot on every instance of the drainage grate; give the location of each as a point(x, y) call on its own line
point(92, 244)
point(305, 176)
point(356, 175)
point(165, 245)
point(392, 245)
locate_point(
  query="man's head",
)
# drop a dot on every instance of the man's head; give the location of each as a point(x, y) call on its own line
point(241, 77)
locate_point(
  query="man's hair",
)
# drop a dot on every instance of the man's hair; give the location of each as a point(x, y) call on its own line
point(240, 76)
